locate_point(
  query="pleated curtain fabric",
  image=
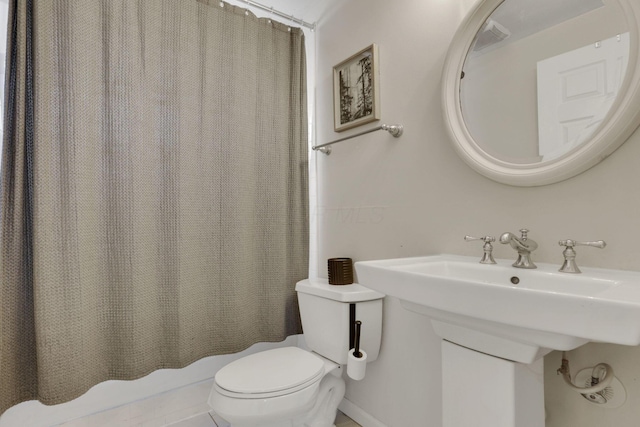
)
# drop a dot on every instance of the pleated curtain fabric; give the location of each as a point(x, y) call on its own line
point(154, 190)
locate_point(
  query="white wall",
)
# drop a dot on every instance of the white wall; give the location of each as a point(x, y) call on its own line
point(381, 198)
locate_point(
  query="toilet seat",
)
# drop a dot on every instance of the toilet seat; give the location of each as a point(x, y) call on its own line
point(269, 373)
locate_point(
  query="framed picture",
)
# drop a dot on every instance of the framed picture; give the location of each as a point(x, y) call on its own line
point(355, 90)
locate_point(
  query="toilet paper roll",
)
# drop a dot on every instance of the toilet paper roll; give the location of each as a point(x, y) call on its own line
point(356, 366)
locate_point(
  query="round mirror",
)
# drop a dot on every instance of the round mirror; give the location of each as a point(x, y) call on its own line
point(537, 91)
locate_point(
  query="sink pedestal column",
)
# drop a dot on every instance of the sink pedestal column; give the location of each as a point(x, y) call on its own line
point(480, 390)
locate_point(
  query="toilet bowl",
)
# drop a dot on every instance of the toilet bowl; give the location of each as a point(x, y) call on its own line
point(284, 387)
point(292, 387)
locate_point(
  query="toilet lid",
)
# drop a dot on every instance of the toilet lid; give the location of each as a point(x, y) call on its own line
point(276, 370)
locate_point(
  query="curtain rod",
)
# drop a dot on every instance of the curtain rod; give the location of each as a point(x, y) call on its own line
point(311, 26)
point(394, 130)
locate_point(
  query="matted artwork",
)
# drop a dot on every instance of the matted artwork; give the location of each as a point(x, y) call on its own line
point(355, 90)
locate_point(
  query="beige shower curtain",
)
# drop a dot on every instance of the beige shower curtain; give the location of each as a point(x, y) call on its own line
point(154, 189)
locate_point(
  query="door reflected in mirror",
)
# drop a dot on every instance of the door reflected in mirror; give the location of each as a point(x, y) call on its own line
point(541, 76)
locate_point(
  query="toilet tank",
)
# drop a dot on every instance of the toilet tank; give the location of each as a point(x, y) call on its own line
point(329, 312)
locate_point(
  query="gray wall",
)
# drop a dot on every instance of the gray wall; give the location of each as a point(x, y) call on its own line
point(383, 198)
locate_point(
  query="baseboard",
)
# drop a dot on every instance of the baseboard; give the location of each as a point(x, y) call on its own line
point(358, 415)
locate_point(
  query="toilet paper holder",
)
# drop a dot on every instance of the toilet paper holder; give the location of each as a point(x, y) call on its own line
point(356, 345)
point(357, 359)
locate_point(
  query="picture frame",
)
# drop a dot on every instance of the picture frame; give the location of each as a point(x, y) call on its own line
point(356, 90)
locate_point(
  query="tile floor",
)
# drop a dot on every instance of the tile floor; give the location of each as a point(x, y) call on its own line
point(184, 407)
point(343, 421)
point(212, 420)
point(187, 404)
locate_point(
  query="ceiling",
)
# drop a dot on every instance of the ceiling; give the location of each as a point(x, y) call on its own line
point(521, 17)
point(518, 19)
point(307, 10)
point(524, 17)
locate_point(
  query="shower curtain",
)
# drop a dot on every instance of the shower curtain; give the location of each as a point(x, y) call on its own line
point(154, 189)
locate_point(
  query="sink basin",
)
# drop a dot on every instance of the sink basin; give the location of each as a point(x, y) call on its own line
point(512, 313)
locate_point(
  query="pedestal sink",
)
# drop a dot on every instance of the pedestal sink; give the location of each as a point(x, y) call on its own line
point(501, 321)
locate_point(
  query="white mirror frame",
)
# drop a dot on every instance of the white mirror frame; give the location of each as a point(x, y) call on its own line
point(618, 125)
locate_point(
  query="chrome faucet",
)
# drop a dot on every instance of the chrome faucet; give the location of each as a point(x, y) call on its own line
point(523, 245)
point(569, 265)
point(487, 257)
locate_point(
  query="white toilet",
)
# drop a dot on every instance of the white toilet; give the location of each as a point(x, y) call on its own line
point(291, 387)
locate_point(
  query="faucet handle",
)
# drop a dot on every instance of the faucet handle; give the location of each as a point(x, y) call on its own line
point(523, 233)
point(571, 243)
point(485, 239)
point(569, 265)
point(487, 257)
